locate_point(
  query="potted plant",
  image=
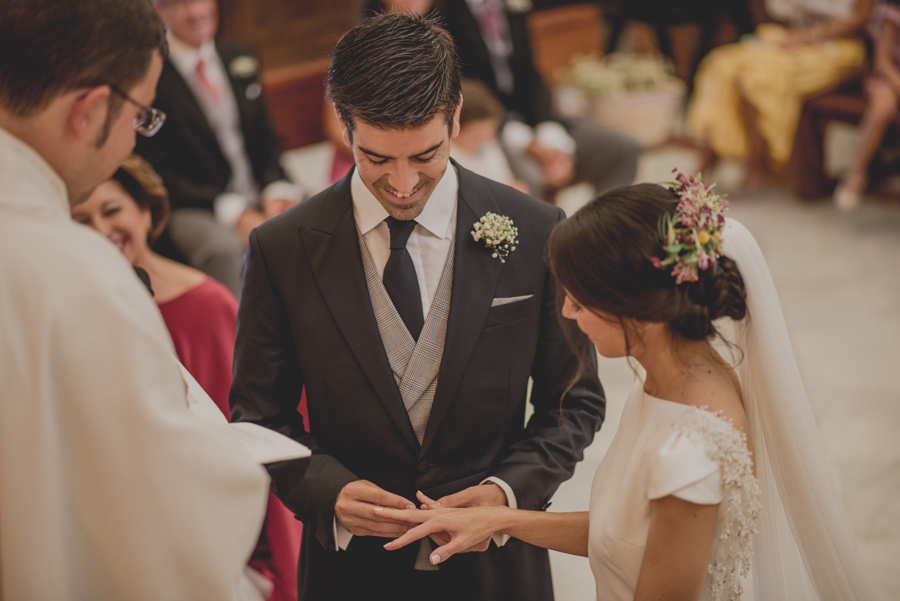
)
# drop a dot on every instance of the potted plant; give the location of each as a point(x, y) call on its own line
point(636, 94)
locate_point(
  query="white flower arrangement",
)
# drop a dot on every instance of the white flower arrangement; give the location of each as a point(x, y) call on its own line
point(619, 73)
point(498, 233)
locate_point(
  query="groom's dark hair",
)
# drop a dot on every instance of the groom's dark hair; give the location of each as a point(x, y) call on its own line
point(395, 71)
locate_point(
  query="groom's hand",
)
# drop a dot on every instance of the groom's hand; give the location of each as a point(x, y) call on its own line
point(482, 495)
point(354, 506)
point(488, 494)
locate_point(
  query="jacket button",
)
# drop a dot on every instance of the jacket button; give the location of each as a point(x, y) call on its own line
point(423, 466)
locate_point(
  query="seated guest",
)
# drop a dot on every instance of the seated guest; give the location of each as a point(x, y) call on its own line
point(476, 147)
point(545, 151)
point(130, 209)
point(748, 96)
point(883, 94)
point(218, 154)
point(684, 31)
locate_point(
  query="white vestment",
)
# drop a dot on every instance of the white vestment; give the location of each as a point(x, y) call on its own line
point(109, 488)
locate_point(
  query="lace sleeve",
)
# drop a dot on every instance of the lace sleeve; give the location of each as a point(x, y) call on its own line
point(726, 447)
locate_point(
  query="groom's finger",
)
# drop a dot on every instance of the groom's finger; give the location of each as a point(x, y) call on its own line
point(375, 495)
point(427, 503)
point(406, 516)
point(410, 536)
point(353, 508)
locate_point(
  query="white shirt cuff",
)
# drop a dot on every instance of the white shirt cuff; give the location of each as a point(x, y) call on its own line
point(342, 536)
point(228, 208)
point(282, 189)
point(502, 539)
point(553, 135)
point(516, 136)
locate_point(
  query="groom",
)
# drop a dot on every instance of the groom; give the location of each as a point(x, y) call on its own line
point(414, 342)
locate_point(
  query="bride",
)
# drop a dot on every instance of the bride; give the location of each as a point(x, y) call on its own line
point(714, 470)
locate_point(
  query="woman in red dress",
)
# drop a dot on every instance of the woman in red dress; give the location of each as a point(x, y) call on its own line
point(130, 210)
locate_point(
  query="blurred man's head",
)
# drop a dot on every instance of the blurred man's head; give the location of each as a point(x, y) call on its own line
point(395, 84)
point(193, 22)
point(480, 117)
point(75, 78)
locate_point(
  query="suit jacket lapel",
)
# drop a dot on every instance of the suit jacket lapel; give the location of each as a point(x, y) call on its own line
point(475, 276)
point(189, 107)
point(333, 250)
point(227, 55)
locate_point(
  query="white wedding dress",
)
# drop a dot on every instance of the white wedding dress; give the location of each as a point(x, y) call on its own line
point(664, 448)
point(803, 549)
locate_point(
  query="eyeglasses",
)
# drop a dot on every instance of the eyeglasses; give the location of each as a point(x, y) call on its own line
point(150, 121)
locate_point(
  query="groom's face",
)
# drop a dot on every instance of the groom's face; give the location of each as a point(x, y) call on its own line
point(401, 167)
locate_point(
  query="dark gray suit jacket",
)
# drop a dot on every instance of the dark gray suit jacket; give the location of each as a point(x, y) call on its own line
point(306, 320)
point(186, 152)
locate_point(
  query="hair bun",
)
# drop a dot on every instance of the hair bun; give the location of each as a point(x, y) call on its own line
point(718, 293)
point(728, 296)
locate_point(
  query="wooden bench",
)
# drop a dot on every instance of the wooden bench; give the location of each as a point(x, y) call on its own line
point(846, 103)
point(295, 94)
point(295, 98)
point(559, 34)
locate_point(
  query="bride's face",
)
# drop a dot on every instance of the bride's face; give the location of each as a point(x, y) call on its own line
point(604, 330)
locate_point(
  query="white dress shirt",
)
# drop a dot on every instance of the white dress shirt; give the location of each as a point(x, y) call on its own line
point(224, 119)
point(428, 246)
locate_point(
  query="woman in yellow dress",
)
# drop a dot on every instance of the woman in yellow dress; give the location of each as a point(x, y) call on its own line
point(748, 96)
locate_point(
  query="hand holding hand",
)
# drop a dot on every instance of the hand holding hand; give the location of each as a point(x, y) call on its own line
point(355, 506)
point(482, 495)
point(468, 529)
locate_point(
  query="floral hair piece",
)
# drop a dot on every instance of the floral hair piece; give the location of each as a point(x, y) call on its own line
point(692, 237)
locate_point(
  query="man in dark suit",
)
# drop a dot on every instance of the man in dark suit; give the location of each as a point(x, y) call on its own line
point(414, 341)
point(544, 149)
point(219, 156)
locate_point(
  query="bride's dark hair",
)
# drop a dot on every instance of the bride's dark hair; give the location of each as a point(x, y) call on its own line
point(602, 257)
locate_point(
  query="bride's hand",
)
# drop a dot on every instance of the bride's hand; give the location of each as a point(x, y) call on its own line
point(468, 529)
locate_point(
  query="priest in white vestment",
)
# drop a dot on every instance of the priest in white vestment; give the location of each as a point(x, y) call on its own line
point(109, 488)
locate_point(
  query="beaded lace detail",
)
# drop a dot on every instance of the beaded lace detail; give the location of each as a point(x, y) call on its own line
point(740, 507)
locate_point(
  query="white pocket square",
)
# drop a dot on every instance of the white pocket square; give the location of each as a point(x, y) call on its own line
point(509, 299)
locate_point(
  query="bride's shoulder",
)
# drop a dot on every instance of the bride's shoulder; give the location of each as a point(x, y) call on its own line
point(717, 390)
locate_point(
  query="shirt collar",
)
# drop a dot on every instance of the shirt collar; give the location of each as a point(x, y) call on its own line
point(27, 181)
point(436, 217)
point(185, 57)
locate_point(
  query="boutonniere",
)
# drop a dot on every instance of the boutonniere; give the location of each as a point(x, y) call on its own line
point(498, 233)
point(243, 66)
point(518, 6)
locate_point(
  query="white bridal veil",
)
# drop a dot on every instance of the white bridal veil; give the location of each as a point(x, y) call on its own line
point(805, 549)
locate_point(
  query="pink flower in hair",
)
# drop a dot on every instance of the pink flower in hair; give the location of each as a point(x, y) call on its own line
point(691, 238)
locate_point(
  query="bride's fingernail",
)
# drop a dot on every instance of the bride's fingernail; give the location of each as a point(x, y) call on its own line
point(435, 559)
point(379, 509)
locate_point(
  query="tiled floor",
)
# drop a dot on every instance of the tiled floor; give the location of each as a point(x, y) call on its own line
point(838, 276)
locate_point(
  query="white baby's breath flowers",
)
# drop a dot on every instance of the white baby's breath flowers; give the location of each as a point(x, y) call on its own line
point(498, 234)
